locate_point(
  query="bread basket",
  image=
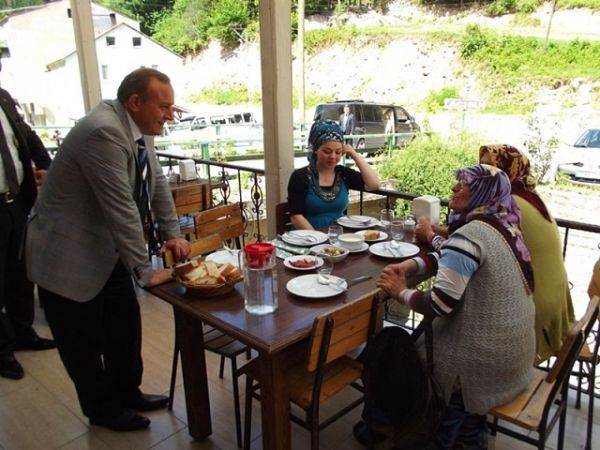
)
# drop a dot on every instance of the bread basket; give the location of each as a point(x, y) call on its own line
point(208, 290)
point(207, 278)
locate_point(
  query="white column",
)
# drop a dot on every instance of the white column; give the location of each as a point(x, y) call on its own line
point(85, 42)
point(276, 73)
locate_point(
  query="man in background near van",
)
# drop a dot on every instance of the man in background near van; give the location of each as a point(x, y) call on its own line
point(20, 147)
point(347, 123)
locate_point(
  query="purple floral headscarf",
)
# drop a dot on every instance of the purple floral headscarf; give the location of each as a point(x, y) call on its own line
point(491, 199)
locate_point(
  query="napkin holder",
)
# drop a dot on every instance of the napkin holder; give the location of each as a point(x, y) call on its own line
point(427, 206)
point(187, 170)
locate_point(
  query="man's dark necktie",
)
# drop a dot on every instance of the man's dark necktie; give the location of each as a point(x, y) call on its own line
point(144, 197)
point(9, 165)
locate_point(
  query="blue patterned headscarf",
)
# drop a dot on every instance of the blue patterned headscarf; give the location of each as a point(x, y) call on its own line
point(321, 132)
point(491, 198)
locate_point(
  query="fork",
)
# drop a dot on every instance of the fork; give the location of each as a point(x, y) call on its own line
point(304, 237)
point(359, 220)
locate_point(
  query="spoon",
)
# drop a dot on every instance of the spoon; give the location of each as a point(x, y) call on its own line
point(395, 248)
point(326, 279)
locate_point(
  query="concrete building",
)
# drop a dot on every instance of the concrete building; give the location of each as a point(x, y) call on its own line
point(42, 70)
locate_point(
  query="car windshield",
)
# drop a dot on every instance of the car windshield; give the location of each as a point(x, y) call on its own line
point(591, 138)
point(330, 112)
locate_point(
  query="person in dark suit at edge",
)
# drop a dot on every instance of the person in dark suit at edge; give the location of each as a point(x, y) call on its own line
point(20, 147)
point(347, 123)
point(85, 242)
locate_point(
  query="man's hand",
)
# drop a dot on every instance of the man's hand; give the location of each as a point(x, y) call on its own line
point(40, 175)
point(179, 247)
point(160, 276)
point(392, 280)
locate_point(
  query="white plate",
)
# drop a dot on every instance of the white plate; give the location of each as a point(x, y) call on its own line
point(287, 262)
point(382, 235)
point(308, 286)
point(362, 248)
point(405, 249)
point(301, 237)
point(357, 224)
point(224, 256)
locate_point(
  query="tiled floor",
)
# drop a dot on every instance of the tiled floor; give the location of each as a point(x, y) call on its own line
point(41, 411)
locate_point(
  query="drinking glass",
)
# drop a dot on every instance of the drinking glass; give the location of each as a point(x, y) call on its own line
point(397, 230)
point(386, 217)
point(334, 232)
point(327, 266)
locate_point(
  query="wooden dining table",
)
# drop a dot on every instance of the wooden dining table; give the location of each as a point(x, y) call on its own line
point(276, 337)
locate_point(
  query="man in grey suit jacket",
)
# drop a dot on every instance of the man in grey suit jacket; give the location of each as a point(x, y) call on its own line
point(85, 242)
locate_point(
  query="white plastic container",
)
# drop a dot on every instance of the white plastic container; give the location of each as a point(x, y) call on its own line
point(187, 170)
point(427, 206)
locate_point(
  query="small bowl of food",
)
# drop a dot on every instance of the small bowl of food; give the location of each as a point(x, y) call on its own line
point(351, 241)
point(336, 253)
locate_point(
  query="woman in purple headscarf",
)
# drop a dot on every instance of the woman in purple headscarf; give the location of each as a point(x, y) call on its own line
point(318, 193)
point(483, 336)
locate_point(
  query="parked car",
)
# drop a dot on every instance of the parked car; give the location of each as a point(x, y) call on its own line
point(372, 118)
point(582, 160)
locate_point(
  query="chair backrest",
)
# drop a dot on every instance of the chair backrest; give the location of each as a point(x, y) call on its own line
point(282, 217)
point(573, 342)
point(338, 332)
point(191, 198)
point(199, 247)
point(224, 220)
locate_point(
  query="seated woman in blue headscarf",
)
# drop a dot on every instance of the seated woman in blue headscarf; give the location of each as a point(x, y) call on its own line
point(318, 193)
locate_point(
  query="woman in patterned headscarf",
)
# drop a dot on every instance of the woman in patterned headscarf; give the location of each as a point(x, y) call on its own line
point(483, 336)
point(318, 193)
point(553, 306)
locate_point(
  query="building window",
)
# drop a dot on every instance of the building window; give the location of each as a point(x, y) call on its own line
point(110, 41)
point(104, 72)
point(137, 41)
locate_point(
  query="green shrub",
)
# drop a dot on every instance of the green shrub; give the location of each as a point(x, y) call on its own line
point(426, 166)
point(435, 99)
point(501, 7)
point(225, 95)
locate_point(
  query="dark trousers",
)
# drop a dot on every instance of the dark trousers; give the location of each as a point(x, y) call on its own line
point(99, 342)
point(16, 291)
point(459, 429)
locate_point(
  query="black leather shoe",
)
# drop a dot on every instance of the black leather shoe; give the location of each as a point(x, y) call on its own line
point(11, 368)
point(148, 402)
point(126, 421)
point(35, 343)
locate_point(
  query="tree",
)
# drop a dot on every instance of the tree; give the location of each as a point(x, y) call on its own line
point(146, 11)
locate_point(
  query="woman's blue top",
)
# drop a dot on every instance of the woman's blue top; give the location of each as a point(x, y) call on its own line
point(302, 199)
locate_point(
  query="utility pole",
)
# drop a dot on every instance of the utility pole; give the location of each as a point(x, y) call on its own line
point(550, 23)
point(300, 39)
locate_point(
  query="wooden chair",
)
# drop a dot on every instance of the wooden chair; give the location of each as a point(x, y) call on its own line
point(544, 402)
point(224, 220)
point(327, 370)
point(586, 369)
point(189, 199)
point(282, 218)
point(214, 340)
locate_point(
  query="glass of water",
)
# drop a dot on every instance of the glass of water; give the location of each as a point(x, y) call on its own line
point(397, 230)
point(334, 232)
point(386, 216)
point(327, 267)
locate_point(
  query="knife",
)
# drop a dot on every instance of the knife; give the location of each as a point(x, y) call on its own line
point(351, 282)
